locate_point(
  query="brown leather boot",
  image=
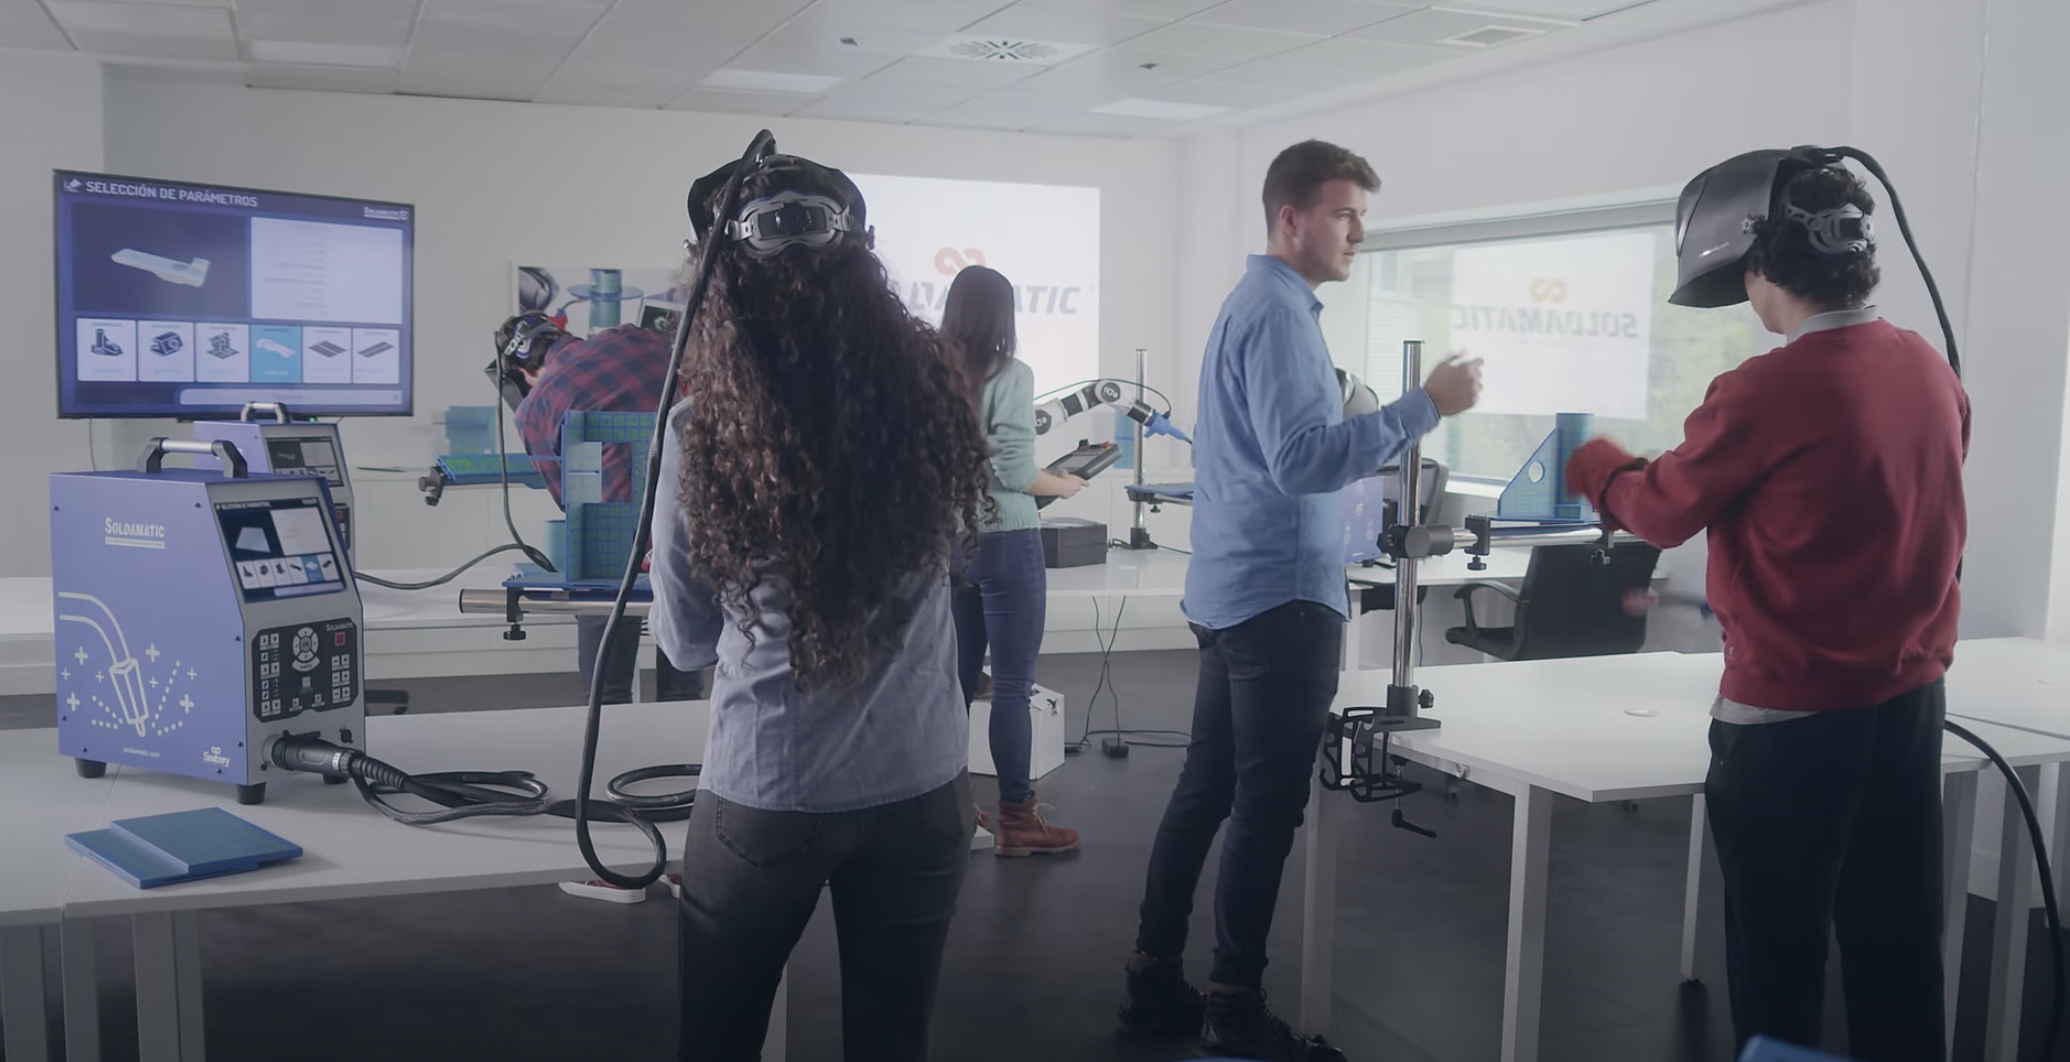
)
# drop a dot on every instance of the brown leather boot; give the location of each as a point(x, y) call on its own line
point(1024, 832)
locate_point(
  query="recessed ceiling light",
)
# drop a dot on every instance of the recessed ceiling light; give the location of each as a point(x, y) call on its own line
point(770, 81)
point(1004, 50)
point(325, 54)
point(1491, 36)
point(1162, 109)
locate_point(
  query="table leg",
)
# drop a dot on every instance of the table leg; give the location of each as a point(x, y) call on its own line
point(21, 993)
point(187, 968)
point(82, 992)
point(2015, 898)
point(775, 1040)
point(1958, 836)
point(1703, 899)
point(1523, 977)
point(158, 993)
point(1326, 812)
point(2060, 842)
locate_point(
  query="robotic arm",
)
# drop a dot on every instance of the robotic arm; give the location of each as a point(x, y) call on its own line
point(1050, 414)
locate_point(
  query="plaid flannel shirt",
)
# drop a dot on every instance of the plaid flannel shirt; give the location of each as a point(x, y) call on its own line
point(618, 370)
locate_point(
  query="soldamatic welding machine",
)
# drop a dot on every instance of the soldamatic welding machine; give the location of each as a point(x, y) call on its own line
point(201, 614)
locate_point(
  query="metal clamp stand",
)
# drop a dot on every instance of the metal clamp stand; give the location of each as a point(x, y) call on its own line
point(1139, 530)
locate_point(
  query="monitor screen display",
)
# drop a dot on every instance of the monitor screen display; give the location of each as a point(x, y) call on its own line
point(189, 301)
point(281, 548)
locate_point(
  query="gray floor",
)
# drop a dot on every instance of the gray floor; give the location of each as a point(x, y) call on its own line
point(1033, 965)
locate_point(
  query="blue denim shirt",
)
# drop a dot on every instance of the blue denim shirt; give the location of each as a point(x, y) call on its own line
point(1272, 449)
point(900, 733)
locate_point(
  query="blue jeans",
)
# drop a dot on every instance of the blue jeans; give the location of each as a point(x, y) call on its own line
point(1265, 690)
point(1003, 604)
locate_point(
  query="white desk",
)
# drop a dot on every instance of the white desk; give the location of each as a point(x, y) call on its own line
point(353, 851)
point(1596, 729)
point(42, 798)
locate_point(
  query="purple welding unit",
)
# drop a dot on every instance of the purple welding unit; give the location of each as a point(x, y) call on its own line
point(200, 615)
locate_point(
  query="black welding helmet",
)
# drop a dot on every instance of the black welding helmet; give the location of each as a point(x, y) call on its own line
point(1721, 210)
point(787, 202)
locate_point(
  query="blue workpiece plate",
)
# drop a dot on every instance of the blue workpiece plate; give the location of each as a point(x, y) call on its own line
point(207, 841)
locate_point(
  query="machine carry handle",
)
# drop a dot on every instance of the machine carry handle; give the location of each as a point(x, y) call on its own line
point(222, 450)
point(278, 409)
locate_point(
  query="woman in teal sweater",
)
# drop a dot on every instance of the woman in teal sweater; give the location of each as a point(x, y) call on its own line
point(1004, 603)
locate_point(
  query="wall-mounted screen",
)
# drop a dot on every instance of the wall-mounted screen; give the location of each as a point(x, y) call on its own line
point(189, 301)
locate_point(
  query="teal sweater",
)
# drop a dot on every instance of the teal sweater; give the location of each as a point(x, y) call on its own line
point(1007, 407)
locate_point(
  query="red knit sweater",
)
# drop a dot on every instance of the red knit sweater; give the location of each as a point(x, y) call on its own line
point(1829, 473)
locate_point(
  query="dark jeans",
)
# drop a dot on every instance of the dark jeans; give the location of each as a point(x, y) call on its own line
point(1264, 695)
point(622, 667)
point(751, 880)
point(1832, 823)
point(1003, 606)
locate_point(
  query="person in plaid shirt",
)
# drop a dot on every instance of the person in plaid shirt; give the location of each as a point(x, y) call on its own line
point(618, 370)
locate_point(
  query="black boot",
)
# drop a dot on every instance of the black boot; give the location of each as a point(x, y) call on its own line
point(1158, 1001)
point(1239, 1025)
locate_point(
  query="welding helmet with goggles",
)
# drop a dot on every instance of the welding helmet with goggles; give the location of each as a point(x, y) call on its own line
point(1722, 211)
point(521, 346)
point(807, 205)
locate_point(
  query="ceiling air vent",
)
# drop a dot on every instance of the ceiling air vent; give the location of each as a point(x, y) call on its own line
point(1005, 50)
point(1491, 36)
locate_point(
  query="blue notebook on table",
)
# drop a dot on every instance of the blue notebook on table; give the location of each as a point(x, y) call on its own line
point(182, 846)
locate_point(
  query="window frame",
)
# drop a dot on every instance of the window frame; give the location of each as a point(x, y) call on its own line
point(1636, 211)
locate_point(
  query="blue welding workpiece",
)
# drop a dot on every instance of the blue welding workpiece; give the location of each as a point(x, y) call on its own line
point(605, 293)
point(599, 535)
point(1763, 1049)
point(1539, 491)
point(182, 846)
point(477, 470)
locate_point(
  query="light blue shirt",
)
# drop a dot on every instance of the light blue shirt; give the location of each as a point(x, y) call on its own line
point(899, 733)
point(1272, 449)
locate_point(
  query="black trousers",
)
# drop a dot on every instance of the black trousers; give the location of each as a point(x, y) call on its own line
point(1264, 696)
point(622, 666)
point(751, 880)
point(1832, 823)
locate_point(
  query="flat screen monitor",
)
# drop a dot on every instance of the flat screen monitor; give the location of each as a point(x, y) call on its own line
point(189, 301)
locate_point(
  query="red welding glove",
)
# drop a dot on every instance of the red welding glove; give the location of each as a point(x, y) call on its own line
point(1594, 465)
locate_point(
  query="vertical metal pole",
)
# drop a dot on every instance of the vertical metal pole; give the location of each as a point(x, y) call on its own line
point(1139, 534)
point(1401, 694)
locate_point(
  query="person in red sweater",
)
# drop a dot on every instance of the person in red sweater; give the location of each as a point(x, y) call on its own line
point(1828, 474)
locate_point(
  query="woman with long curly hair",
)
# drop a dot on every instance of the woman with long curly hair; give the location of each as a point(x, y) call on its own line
point(811, 497)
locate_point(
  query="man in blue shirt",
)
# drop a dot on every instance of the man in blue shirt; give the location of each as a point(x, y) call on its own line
point(1266, 597)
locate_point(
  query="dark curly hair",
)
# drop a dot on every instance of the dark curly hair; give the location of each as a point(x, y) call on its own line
point(832, 445)
point(1782, 249)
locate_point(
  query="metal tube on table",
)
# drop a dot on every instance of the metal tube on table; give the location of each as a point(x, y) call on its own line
point(1405, 569)
point(1139, 538)
point(493, 602)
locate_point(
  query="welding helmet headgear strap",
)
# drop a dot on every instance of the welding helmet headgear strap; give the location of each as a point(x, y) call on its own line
point(526, 339)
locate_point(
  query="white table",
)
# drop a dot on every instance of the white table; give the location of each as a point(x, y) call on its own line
point(353, 851)
point(42, 798)
point(1595, 729)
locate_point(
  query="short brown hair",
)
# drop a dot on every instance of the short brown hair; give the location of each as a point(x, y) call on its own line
point(1296, 177)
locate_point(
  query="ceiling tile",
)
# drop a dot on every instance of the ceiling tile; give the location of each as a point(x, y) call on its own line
point(1235, 97)
point(1327, 17)
point(615, 87)
point(884, 101)
point(1219, 42)
point(940, 17)
point(24, 24)
point(494, 49)
point(842, 63)
point(360, 55)
point(821, 35)
point(1105, 125)
point(319, 78)
point(1005, 109)
point(1164, 9)
point(1574, 9)
point(954, 72)
point(1432, 26)
point(1075, 25)
point(763, 103)
point(1118, 72)
point(1365, 59)
point(372, 23)
point(158, 31)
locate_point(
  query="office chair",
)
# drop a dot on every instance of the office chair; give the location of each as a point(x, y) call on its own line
point(1570, 605)
point(1365, 533)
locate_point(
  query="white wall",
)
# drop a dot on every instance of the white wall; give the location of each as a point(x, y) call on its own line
point(499, 183)
point(56, 124)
